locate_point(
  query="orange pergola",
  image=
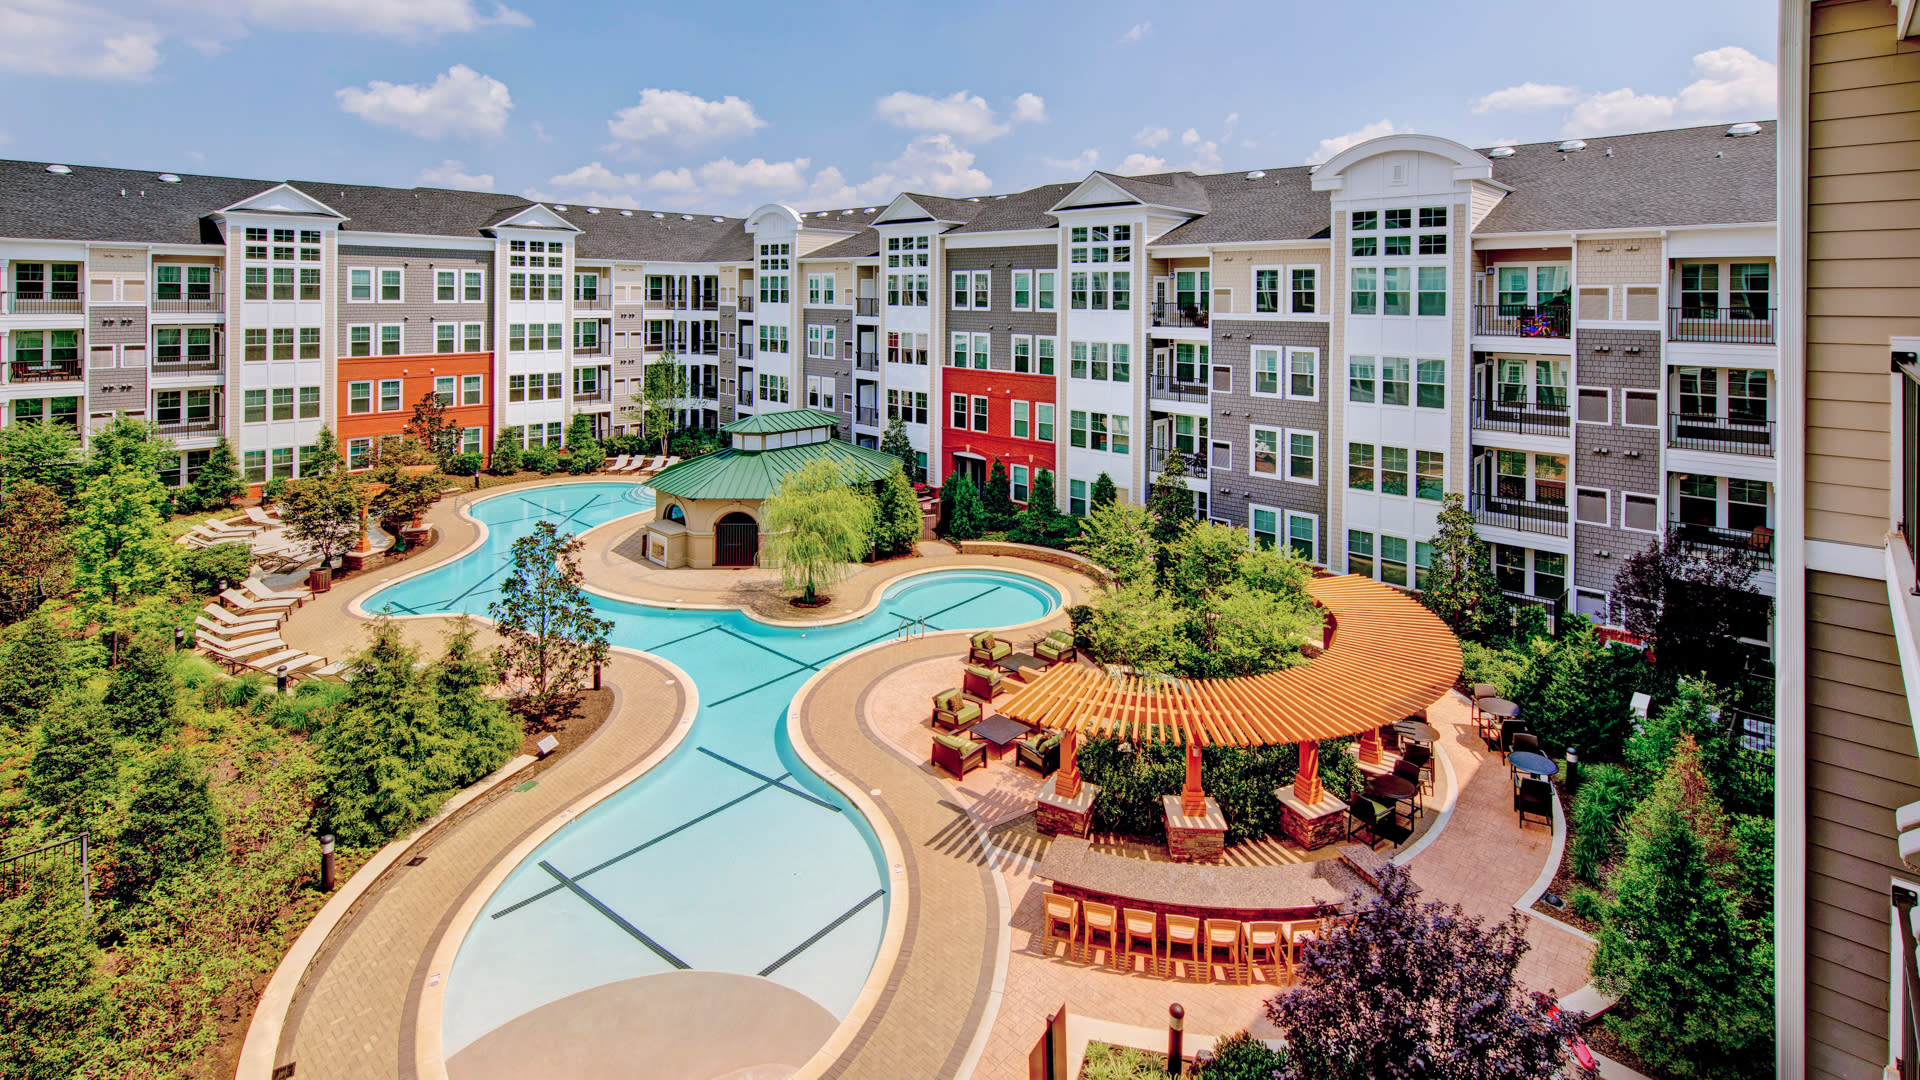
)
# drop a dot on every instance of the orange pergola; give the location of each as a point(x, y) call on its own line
point(1385, 657)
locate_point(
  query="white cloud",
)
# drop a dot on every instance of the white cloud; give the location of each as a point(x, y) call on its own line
point(933, 164)
point(1137, 164)
point(1330, 147)
point(58, 37)
point(1618, 110)
point(594, 174)
point(1206, 153)
point(682, 119)
point(960, 114)
point(1151, 136)
point(454, 174)
point(1077, 166)
point(1528, 95)
point(540, 132)
point(1135, 33)
point(408, 20)
point(1730, 83)
point(1029, 108)
point(460, 102)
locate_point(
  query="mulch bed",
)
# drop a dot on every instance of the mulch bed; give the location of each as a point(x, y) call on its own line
point(819, 600)
point(1563, 880)
point(1605, 1043)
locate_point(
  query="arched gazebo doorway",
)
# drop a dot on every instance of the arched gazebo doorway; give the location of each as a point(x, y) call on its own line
point(736, 540)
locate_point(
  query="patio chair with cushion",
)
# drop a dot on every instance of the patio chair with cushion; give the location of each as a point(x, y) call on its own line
point(1408, 771)
point(952, 711)
point(1057, 647)
point(1422, 758)
point(982, 682)
point(987, 649)
point(958, 754)
point(1534, 799)
point(1039, 751)
point(1369, 816)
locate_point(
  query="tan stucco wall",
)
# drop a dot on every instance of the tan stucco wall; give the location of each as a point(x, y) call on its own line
point(702, 515)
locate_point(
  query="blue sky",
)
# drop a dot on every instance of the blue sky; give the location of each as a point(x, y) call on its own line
point(722, 106)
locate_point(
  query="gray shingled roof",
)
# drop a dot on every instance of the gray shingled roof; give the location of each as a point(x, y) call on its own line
point(88, 205)
point(1181, 191)
point(1017, 210)
point(1281, 205)
point(1690, 176)
point(864, 244)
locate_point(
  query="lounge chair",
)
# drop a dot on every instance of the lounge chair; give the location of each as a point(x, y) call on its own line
point(987, 649)
point(958, 754)
point(236, 656)
point(952, 711)
point(240, 601)
point(336, 671)
point(260, 590)
point(1039, 751)
point(1534, 798)
point(231, 618)
point(668, 463)
point(981, 682)
point(206, 627)
point(619, 464)
point(259, 515)
point(291, 659)
point(1057, 647)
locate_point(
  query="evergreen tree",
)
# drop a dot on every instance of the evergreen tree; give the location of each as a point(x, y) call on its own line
point(1578, 689)
point(553, 637)
point(819, 526)
point(121, 551)
point(584, 452)
point(996, 500)
point(35, 669)
point(964, 517)
point(897, 443)
point(1674, 940)
point(219, 482)
point(171, 825)
point(55, 993)
point(662, 386)
point(507, 453)
point(385, 762)
point(1461, 587)
point(73, 775)
point(1104, 493)
point(896, 516)
point(143, 694)
point(324, 459)
point(1041, 522)
point(484, 734)
point(1170, 501)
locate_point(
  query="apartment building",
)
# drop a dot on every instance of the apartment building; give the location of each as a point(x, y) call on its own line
point(1848, 858)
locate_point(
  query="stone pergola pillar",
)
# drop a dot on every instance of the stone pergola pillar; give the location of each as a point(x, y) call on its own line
point(1306, 783)
point(1193, 798)
point(1067, 807)
point(1369, 746)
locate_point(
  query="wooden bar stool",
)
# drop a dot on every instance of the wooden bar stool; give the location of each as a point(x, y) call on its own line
point(1224, 934)
point(1140, 925)
point(1099, 918)
point(1267, 939)
point(1062, 912)
point(1299, 933)
point(1183, 931)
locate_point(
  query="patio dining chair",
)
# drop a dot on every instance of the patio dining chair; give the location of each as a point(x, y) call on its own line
point(1300, 934)
point(1534, 798)
point(1508, 729)
point(1139, 924)
point(1267, 941)
point(1422, 758)
point(1408, 771)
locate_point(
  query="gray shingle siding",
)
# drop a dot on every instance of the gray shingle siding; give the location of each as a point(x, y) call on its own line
point(999, 320)
point(1231, 492)
point(1631, 463)
point(418, 313)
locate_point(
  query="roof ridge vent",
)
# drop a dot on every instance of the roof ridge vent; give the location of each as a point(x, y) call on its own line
point(626, 213)
point(717, 217)
point(686, 217)
point(1257, 174)
point(1500, 152)
point(593, 209)
point(557, 206)
point(1572, 146)
point(1741, 131)
point(658, 214)
point(168, 178)
point(60, 170)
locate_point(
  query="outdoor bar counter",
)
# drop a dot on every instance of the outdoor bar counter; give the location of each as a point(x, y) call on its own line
point(1291, 891)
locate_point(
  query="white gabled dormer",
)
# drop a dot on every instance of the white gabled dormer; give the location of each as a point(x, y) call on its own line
point(537, 216)
point(282, 199)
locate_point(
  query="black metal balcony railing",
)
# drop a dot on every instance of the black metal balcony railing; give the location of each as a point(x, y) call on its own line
point(866, 360)
point(1521, 515)
point(209, 426)
point(1157, 461)
point(1177, 315)
point(1726, 434)
point(1520, 417)
point(598, 302)
point(1730, 326)
point(179, 306)
point(867, 306)
point(602, 349)
point(164, 368)
point(1522, 320)
point(39, 303)
point(1758, 540)
point(745, 396)
point(743, 304)
point(52, 371)
point(1174, 388)
point(587, 397)
point(867, 415)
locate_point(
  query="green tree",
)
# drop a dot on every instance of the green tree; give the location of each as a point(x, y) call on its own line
point(73, 775)
point(385, 764)
point(1577, 690)
point(996, 500)
point(1607, 796)
point(219, 482)
point(171, 825)
point(483, 732)
point(962, 516)
point(896, 442)
point(143, 694)
point(553, 638)
point(818, 526)
point(1104, 493)
point(324, 513)
point(36, 549)
point(1139, 627)
point(1674, 940)
point(1693, 603)
point(1461, 587)
point(1169, 500)
point(127, 443)
point(43, 452)
point(1041, 522)
point(584, 452)
point(506, 452)
point(663, 385)
point(896, 516)
point(430, 427)
point(55, 993)
point(121, 552)
point(404, 498)
point(1741, 781)
point(325, 458)
point(36, 668)
point(1119, 539)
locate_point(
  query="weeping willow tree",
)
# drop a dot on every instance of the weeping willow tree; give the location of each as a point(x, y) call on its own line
point(818, 525)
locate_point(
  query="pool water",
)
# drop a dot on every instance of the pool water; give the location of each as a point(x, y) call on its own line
point(730, 855)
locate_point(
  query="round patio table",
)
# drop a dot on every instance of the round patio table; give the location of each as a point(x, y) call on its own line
point(1393, 787)
point(1533, 764)
point(1499, 708)
point(1418, 730)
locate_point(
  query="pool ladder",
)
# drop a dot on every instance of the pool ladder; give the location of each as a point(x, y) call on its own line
point(907, 625)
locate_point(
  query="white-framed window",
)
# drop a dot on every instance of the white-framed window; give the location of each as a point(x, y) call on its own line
point(1077, 498)
point(1303, 456)
point(359, 341)
point(253, 407)
point(1592, 506)
point(359, 285)
point(1017, 478)
point(1043, 421)
point(473, 286)
point(1540, 383)
point(390, 339)
point(471, 337)
point(359, 397)
point(1726, 290)
point(443, 389)
point(959, 414)
point(1430, 384)
point(391, 290)
point(1022, 423)
point(1022, 353)
point(814, 336)
point(1267, 363)
point(1640, 408)
point(1044, 349)
point(1360, 553)
point(446, 286)
point(1269, 449)
point(1537, 478)
point(1303, 535)
point(470, 440)
point(1363, 380)
point(1303, 290)
point(1595, 405)
point(1528, 572)
point(1043, 290)
point(517, 388)
point(446, 337)
point(1269, 290)
point(982, 356)
point(390, 395)
point(1519, 288)
point(1023, 290)
point(1263, 526)
point(359, 453)
point(472, 387)
point(979, 413)
point(1303, 374)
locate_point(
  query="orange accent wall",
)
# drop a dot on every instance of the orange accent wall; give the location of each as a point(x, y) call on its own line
point(416, 373)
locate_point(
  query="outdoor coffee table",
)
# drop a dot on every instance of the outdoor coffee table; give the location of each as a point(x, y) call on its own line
point(1000, 731)
point(1021, 665)
point(1533, 764)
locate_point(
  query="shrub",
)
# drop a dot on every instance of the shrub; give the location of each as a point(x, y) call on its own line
point(507, 455)
point(243, 692)
point(1105, 1062)
point(307, 706)
point(541, 459)
point(588, 458)
point(1242, 780)
point(624, 444)
point(1240, 1057)
point(1605, 799)
point(1587, 904)
point(207, 570)
point(273, 491)
point(462, 465)
point(1501, 667)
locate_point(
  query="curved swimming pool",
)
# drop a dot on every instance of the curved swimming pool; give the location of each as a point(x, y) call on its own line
point(730, 855)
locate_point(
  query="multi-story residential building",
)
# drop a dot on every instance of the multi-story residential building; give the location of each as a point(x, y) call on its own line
point(1577, 337)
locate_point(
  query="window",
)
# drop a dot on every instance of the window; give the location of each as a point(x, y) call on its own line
point(1263, 525)
point(1595, 405)
point(516, 388)
point(1043, 353)
point(1192, 291)
point(309, 284)
point(359, 341)
point(309, 343)
point(1303, 457)
point(1023, 354)
point(359, 285)
point(1043, 423)
point(255, 344)
point(283, 343)
point(1430, 474)
point(389, 395)
point(1393, 561)
point(1364, 300)
point(446, 286)
point(1266, 289)
point(1077, 428)
point(254, 464)
point(959, 413)
point(1303, 536)
point(1305, 294)
point(1021, 423)
point(1360, 380)
point(1266, 452)
point(1360, 466)
point(253, 407)
point(1043, 290)
point(1433, 290)
point(445, 337)
point(470, 337)
point(1640, 512)
point(1394, 380)
point(586, 335)
point(1640, 408)
point(283, 278)
point(1303, 374)
point(389, 286)
point(1394, 291)
point(443, 389)
point(1077, 498)
point(1023, 290)
point(472, 287)
point(470, 440)
point(1432, 389)
point(390, 340)
point(980, 351)
point(1393, 470)
point(1591, 506)
point(1360, 553)
point(1017, 477)
point(470, 389)
point(359, 397)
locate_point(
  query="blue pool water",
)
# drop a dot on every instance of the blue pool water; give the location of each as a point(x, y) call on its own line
point(730, 855)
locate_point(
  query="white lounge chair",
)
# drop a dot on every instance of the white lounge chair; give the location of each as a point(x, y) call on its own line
point(336, 671)
point(260, 516)
point(619, 464)
point(260, 590)
point(240, 601)
point(638, 464)
point(291, 659)
point(236, 655)
point(224, 617)
point(234, 631)
point(669, 463)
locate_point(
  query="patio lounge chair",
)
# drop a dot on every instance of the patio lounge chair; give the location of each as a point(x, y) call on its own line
point(649, 465)
point(240, 601)
point(1056, 647)
point(260, 516)
point(981, 682)
point(292, 659)
point(1039, 751)
point(952, 711)
point(987, 649)
point(236, 655)
point(1534, 798)
point(620, 463)
point(958, 754)
point(232, 619)
point(260, 590)
point(216, 631)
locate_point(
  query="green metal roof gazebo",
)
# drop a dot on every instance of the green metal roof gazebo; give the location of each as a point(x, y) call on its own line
point(766, 447)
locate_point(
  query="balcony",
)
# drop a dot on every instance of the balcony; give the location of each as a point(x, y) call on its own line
point(1737, 325)
point(39, 303)
point(1520, 417)
point(1520, 515)
point(1179, 315)
point(744, 305)
point(596, 302)
point(1174, 388)
point(1721, 434)
point(43, 372)
point(592, 397)
point(866, 360)
point(207, 426)
point(1708, 539)
point(866, 415)
point(164, 369)
point(600, 349)
point(745, 395)
point(867, 307)
point(192, 305)
point(1196, 463)
point(1522, 320)
point(743, 351)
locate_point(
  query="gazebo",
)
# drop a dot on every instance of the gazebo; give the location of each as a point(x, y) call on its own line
point(1384, 657)
point(707, 509)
